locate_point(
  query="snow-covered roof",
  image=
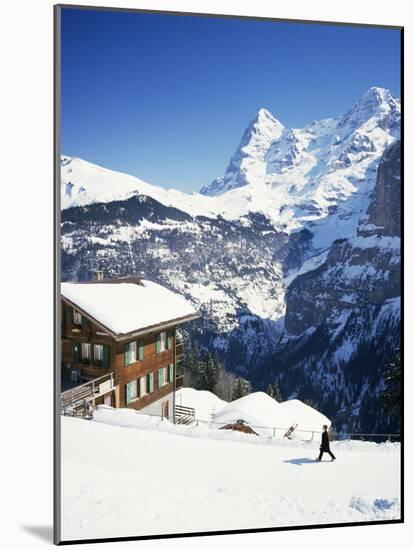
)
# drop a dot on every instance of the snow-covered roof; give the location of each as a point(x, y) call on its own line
point(128, 307)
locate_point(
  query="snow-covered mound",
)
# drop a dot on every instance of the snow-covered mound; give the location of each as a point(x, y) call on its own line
point(205, 403)
point(258, 410)
point(119, 481)
point(307, 418)
point(264, 413)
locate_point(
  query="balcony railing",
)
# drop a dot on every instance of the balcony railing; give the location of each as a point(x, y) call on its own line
point(184, 415)
point(85, 393)
point(178, 349)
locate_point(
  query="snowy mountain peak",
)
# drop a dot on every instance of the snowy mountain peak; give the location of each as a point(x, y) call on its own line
point(247, 164)
point(378, 95)
point(264, 115)
point(377, 103)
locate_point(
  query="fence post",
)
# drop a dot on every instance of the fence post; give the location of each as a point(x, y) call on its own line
point(274, 432)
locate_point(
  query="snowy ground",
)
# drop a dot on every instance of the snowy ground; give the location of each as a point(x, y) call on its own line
point(159, 478)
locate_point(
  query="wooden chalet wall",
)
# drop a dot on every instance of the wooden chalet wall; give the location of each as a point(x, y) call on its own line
point(89, 332)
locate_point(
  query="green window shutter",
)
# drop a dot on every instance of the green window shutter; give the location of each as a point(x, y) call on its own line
point(169, 340)
point(171, 373)
point(128, 393)
point(105, 359)
point(85, 322)
point(160, 378)
point(126, 354)
point(151, 382)
point(68, 315)
point(140, 350)
point(158, 343)
point(76, 353)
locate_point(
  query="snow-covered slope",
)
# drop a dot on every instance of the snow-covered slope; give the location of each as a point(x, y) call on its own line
point(85, 183)
point(159, 478)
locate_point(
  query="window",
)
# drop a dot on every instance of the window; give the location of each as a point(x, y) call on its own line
point(131, 391)
point(77, 317)
point(161, 342)
point(97, 352)
point(86, 352)
point(130, 353)
point(143, 386)
point(170, 337)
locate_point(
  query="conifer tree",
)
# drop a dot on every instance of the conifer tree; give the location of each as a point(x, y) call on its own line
point(274, 392)
point(194, 366)
point(391, 396)
point(241, 388)
point(211, 373)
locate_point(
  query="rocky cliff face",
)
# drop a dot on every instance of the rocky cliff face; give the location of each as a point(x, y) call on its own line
point(383, 218)
point(343, 318)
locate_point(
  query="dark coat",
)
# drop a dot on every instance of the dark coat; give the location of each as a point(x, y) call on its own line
point(325, 442)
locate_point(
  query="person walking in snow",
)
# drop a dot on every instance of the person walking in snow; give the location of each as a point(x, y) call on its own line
point(325, 448)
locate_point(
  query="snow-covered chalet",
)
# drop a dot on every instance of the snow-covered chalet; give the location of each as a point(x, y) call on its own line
point(120, 345)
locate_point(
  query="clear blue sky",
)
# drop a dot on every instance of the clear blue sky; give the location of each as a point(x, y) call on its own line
point(167, 98)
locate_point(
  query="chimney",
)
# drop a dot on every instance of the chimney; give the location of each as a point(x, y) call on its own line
point(98, 276)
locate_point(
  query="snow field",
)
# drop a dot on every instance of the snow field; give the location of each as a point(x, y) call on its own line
point(153, 479)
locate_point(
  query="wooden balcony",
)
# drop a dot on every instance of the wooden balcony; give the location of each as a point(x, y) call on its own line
point(78, 397)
